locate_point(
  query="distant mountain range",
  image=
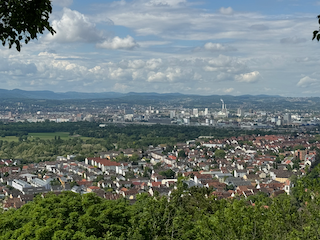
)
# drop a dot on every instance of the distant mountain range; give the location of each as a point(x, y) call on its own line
point(49, 95)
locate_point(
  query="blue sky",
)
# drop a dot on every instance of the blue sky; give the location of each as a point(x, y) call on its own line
point(186, 46)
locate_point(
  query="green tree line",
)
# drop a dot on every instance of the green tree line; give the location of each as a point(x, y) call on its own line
point(36, 149)
point(187, 214)
point(102, 139)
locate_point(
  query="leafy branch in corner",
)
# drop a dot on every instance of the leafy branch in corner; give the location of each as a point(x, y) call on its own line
point(316, 33)
point(23, 20)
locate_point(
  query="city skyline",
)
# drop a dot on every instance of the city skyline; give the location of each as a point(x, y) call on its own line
point(190, 47)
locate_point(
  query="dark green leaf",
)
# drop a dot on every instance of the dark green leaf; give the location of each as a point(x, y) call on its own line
point(315, 34)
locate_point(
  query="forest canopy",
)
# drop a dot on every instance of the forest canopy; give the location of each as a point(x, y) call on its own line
point(192, 213)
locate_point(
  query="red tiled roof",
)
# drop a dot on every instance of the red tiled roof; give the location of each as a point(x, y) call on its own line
point(156, 184)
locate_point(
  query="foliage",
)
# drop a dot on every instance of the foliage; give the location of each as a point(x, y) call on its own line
point(219, 153)
point(190, 214)
point(134, 158)
point(299, 147)
point(55, 182)
point(68, 216)
point(129, 175)
point(182, 154)
point(316, 32)
point(97, 139)
point(99, 178)
point(36, 150)
point(168, 173)
point(23, 20)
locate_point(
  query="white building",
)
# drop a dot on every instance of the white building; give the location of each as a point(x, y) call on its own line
point(195, 112)
point(172, 114)
point(20, 184)
point(36, 182)
point(239, 112)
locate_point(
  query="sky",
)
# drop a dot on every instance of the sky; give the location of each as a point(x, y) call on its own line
point(203, 47)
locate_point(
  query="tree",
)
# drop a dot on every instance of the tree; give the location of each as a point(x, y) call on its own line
point(182, 154)
point(316, 33)
point(278, 160)
point(135, 157)
point(23, 20)
point(220, 153)
point(167, 173)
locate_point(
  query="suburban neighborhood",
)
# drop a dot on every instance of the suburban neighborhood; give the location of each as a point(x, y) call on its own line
point(232, 168)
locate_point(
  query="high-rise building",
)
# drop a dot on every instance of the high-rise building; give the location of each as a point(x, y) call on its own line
point(172, 114)
point(279, 122)
point(287, 118)
point(195, 112)
point(239, 112)
point(186, 121)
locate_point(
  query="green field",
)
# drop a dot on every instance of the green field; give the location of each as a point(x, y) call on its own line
point(10, 138)
point(44, 136)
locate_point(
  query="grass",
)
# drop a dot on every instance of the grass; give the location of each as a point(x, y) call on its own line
point(44, 136)
point(10, 138)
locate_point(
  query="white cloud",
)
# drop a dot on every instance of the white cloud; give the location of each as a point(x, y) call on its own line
point(166, 2)
point(134, 64)
point(156, 77)
point(248, 77)
point(145, 44)
point(120, 87)
point(226, 64)
point(226, 11)
point(185, 22)
point(62, 72)
point(169, 75)
point(74, 27)
point(173, 73)
point(154, 63)
point(307, 82)
point(229, 90)
point(16, 68)
point(210, 69)
point(224, 76)
point(62, 3)
point(173, 66)
point(119, 73)
point(197, 76)
point(127, 43)
point(218, 47)
point(292, 40)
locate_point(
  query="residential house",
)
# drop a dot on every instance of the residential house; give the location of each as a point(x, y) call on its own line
point(102, 163)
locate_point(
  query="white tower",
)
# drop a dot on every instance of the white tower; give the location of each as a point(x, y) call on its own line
point(222, 104)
